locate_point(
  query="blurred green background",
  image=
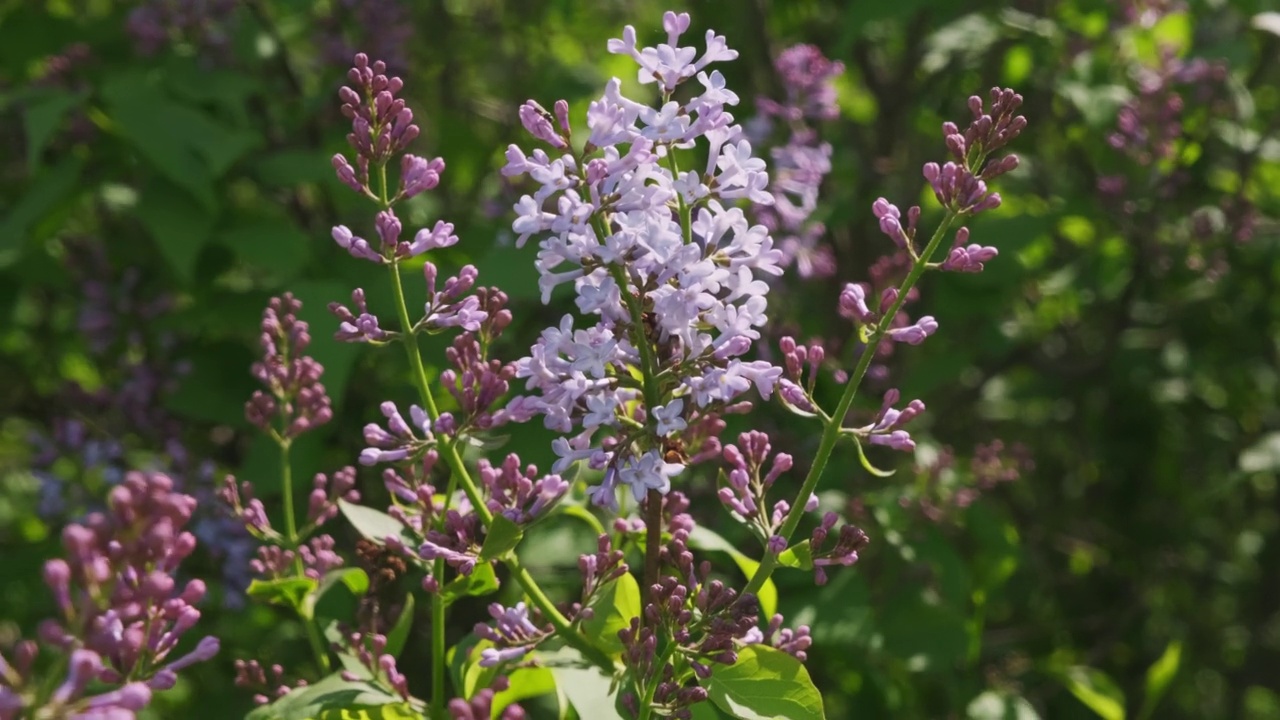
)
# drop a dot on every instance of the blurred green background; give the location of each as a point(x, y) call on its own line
point(164, 169)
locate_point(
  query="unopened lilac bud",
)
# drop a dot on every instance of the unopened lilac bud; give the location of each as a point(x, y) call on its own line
point(915, 334)
point(853, 303)
point(346, 173)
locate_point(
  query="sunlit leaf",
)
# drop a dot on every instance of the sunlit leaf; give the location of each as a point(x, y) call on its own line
point(765, 684)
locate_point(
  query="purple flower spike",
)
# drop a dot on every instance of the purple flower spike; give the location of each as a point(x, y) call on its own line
point(295, 398)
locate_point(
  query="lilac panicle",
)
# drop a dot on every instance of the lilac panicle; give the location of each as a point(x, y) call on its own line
point(609, 224)
point(294, 396)
point(801, 164)
point(120, 612)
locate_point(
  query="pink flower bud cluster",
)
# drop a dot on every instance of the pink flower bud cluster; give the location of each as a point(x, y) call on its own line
point(120, 612)
point(295, 400)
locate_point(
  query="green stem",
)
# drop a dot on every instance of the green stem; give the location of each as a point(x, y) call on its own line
point(292, 540)
point(453, 459)
point(831, 432)
point(286, 484)
point(438, 706)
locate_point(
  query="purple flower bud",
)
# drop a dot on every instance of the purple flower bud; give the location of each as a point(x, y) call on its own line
point(916, 333)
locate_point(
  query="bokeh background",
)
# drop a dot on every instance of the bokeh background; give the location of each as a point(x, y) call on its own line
point(1091, 526)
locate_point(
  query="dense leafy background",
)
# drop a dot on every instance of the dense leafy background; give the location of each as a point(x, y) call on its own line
point(1133, 350)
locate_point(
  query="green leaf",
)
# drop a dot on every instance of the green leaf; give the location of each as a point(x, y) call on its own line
point(927, 635)
point(502, 538)
point(157, 130)
point(525, 683)
point(475, 677)
point(354, 579)
point(289, 592)
point(48, 190)
point(765, 684)
point(481, 581)
point(375, 525)
point(41, 117)
point(269, 244)
point(1096, 690)
point(799, 556)
point(179, 226)
point(589, 691)
point(399, 633)
point(613, 609)
point(705, 539)
point(1159, 676)
point(866, 464)
point(992, 705)
point(288, 168)
point(333, 698)
point(583, 514)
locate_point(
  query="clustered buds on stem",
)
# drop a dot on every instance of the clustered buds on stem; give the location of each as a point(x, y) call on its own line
point(295, 397)
point(121, 613)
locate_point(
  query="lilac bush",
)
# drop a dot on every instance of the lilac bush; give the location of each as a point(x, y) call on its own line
point(670, 279)
point(660, 221)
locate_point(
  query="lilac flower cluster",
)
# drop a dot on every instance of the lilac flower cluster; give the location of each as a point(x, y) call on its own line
point(670, 273)
point(512, 633)
point(269, 682)
point(701, 619)
point(295, 397)
point(155, 24)
point(369, 650)
point(382, 127)
point(945, 489)
point(844, 551)
point(121, 613)
point(117, 318)
point(454, 533)
point(297, 403)
point(803, 161)
point(748, 484)
point(480, 706)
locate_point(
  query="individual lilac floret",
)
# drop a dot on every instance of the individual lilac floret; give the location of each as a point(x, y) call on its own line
point(886, 428)
point(915, 333)
point(513, 634)
point(294, 396)
point(520, 496)
point(398, 440)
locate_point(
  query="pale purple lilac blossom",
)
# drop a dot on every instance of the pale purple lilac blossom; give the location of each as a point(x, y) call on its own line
point(608, 213)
